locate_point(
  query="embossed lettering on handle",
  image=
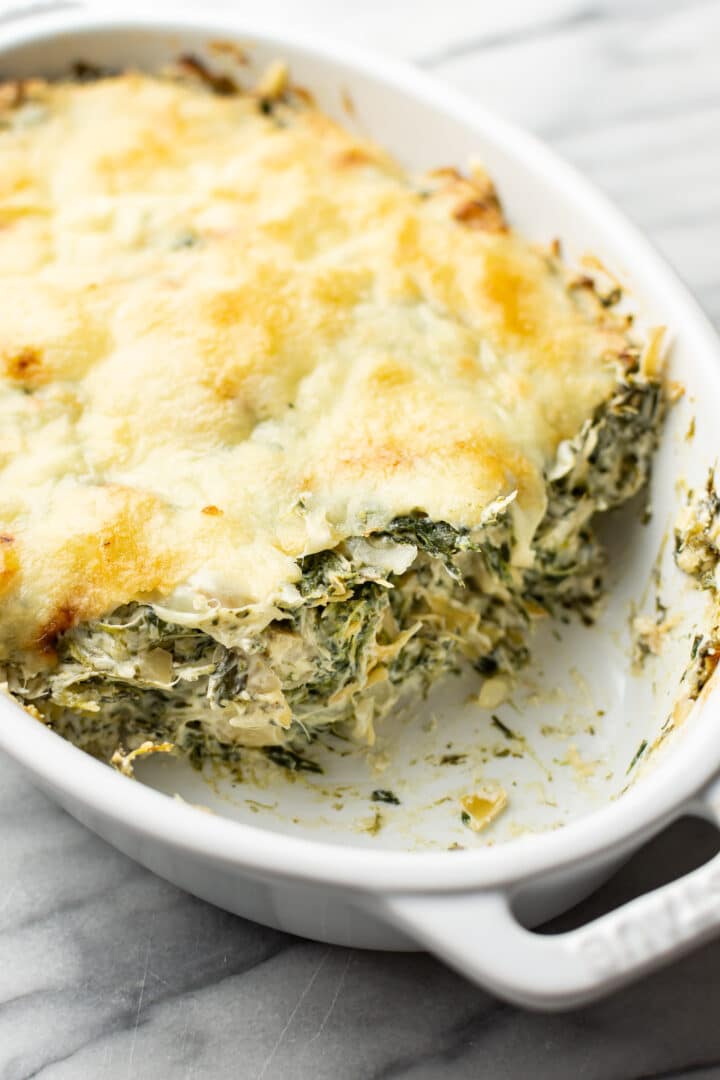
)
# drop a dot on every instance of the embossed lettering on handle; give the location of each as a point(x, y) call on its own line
point(663, 923)
point(478, 933)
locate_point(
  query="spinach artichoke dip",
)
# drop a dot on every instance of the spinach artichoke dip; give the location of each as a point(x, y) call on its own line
point(286, 434)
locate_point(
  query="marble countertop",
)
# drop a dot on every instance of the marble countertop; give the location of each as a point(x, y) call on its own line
point(107, 972)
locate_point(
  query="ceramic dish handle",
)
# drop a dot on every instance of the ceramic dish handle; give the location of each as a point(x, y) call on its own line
point(478, 934)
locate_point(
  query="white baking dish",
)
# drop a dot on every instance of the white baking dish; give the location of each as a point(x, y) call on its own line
point(289, 854)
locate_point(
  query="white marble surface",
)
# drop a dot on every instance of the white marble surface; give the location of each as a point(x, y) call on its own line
point(107, 972)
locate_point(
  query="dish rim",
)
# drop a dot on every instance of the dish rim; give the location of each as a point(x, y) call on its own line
point(669, 789)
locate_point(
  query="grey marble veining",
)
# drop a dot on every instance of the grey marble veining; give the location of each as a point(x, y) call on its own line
point(106, 972)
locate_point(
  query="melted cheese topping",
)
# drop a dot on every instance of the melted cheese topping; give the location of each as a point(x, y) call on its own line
point(228, 339)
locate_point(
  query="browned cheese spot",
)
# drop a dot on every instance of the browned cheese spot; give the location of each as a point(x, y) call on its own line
point(9, 561)
point(483, 214)
point(24, 366)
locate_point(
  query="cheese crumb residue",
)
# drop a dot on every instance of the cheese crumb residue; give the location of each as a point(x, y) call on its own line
point(481, 808)
point(125, 763)
point(583, 770)
point(651, 634)
point(493, 692)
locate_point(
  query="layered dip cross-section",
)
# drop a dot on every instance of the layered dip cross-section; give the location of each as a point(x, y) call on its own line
point(286, 434)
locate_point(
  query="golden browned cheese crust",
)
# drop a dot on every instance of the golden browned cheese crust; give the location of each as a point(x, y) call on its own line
point(228, 339)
